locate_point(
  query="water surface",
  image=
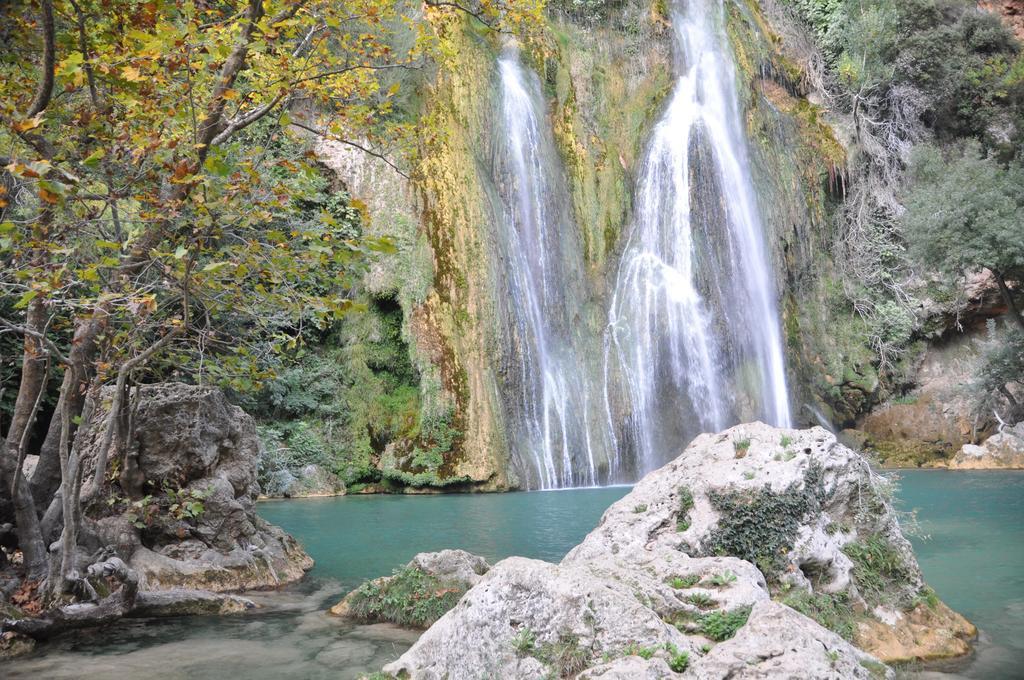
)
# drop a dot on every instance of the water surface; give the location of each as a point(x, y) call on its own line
point(974, 559)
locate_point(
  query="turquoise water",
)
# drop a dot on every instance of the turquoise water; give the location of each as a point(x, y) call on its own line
point(974, 559)
point(973, 556)
point(360, 537)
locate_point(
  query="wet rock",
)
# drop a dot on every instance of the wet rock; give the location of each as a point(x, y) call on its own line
point(1001, 451)
point(180, 602)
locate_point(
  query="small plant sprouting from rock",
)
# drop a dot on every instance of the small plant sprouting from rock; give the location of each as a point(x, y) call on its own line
point(524, 642)
point(565, 657)
point(741, 446)
point(685, 505)
point(749, 474)
point(684, 582)
point(720, 626)
point(409, 598)
point(785, 441)
point(722, 580)
point(701, 600)
point(637, 509)
point(677, 660)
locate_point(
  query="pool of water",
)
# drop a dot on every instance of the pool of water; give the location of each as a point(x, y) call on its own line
point(973, 557)
point(971, 551)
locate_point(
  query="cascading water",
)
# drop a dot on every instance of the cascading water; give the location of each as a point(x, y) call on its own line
point(546, 370)
point(693, 340)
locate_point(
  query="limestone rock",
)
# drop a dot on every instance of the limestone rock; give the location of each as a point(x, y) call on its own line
point(527, 617)
point(629, 668)
point(1004, 450)
point(777, 642)
point(180, 602)
point(662, 576)
point(450, 570)
point(314, 480)
point(452, 565)
point(191, 521)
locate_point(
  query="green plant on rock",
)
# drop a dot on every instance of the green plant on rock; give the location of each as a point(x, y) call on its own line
point(721, 580)
point(879, 570)
point(722, 625)
point(685, 505)
point(701, 600)
point(684, 582)
point(760, 525)
point(524, 642)
point(832, 610)
point(565, 657)
point(678, 660)
point(409, 598)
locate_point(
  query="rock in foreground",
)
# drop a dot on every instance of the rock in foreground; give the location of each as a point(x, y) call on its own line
point(725, 563)
point(186, 516)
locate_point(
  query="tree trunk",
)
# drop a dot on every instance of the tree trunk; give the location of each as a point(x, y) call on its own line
point(1008, 299)
point(47, 475)
point(33, 370)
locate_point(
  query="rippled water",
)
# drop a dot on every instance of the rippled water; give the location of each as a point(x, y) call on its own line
point(974, 559)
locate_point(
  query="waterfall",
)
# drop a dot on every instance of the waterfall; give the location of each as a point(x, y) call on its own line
point(693, 341)
point(547, 369)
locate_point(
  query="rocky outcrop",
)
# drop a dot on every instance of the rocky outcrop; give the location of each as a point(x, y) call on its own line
point(714, 566)
point(930, 423)
point(418, 594)
point(182, 512)
point(1001, 451)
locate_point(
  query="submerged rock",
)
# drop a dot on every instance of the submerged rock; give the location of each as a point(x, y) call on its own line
point(182, 511)
point(1002, 451)
point(707, 569)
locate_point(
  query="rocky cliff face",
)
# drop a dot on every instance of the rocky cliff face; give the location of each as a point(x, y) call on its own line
point(759, 552)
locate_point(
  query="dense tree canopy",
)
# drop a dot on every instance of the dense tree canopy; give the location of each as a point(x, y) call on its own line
point(161, 207)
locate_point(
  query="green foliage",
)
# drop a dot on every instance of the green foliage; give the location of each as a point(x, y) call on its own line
point(832, 610)
point(879, 570)
point(684, 582)
point(741, 446)
point(409, 598)
point(722, 580)
point(1002, 366)
point(678, 660)
point(965, 211)
point(701, 600)
point(722, 625)
point(637, 509)
point(524, 642)
point(685, 505)
point(760, 525)
point(565, 656)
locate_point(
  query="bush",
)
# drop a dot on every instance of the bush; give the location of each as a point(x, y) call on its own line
point(409, 598)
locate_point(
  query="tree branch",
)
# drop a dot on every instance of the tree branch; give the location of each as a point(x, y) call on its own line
point(354, 145)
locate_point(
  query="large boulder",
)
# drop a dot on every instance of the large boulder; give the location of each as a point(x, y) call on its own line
point(1001, 451)
point(419, 593)
point(187, 518)
point(758, 553)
